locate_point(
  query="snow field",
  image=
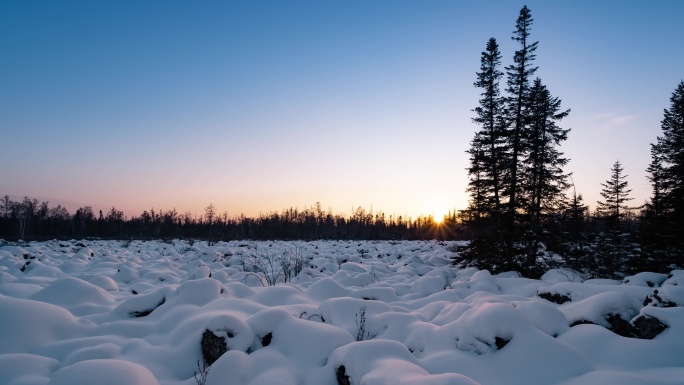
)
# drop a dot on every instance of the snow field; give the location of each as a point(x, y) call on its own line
point(362, 313)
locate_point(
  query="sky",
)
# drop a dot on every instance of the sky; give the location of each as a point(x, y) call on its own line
point(258, 106)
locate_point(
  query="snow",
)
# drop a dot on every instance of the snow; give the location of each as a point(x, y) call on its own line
point(374, 312)
point(104, 372)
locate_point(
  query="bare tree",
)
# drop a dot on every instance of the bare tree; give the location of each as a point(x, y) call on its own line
point(25, 212)
point(210, 214)
point(266, 268)
point(6, 206)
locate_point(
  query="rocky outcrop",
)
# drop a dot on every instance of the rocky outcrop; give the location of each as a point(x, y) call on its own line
point(213, 347)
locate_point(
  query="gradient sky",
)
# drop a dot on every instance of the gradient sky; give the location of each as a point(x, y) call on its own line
point(257, 106)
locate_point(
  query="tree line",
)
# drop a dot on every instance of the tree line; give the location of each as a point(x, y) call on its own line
point(30, 219)
point(524, 213)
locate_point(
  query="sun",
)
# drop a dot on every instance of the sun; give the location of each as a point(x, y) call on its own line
point(436, 207)
point(438, 217)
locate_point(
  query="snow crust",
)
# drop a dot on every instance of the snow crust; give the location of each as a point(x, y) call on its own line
point(375, 313)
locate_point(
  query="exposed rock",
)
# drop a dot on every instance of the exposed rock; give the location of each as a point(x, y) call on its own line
point(213, 347)
point(619, 326)
point(654, 299)
point(582, 322)
point(146, 312)
point(643, 326)
point(501, 342)
point(342, 377)
point(648, 327)
point(267, 339)
point(556, 298)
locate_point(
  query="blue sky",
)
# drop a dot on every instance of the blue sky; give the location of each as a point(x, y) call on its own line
point(261, 105)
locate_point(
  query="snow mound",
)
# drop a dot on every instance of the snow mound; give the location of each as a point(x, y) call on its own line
point(20, 368)
point(385, 363)
point(28, 324)
point(237, 334)
point(488, 328)
point(597, 308)
point(104, 372)
point(76, 295)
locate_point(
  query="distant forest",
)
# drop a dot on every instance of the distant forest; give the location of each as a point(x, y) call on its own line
point(30, 219)
point(524, 212)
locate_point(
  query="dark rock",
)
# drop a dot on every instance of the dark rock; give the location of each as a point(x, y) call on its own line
point(643, 326)
point(582, 322)
point(556, 298)
point(342, 377)
point(501, 342)
point(213, 347)
point(655, 299)
point(267, 339)
point(146, 312)
point(646, 327)
point(619, 326)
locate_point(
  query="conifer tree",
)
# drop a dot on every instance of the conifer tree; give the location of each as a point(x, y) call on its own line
point(518, 85)
point(575, 232)
point(656, 171)
point(478, 183)
point(671, 146)
point(654, 231)
point(541, 176)
point(489, 115)
point(488, 163)
point(614, 248)
point(616, 194)
point(665, 212)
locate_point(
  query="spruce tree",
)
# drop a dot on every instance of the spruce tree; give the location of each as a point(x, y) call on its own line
point(655, 177)
point(671, 146)
point(478, 183)
point(541, 176)
point(485, 250)
point(575, 232)
point(614, 247)
point(487, 164)
point(616, 194)
point(654, 230)
point(665, 211)
point(489, 115)
point(518, 85)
